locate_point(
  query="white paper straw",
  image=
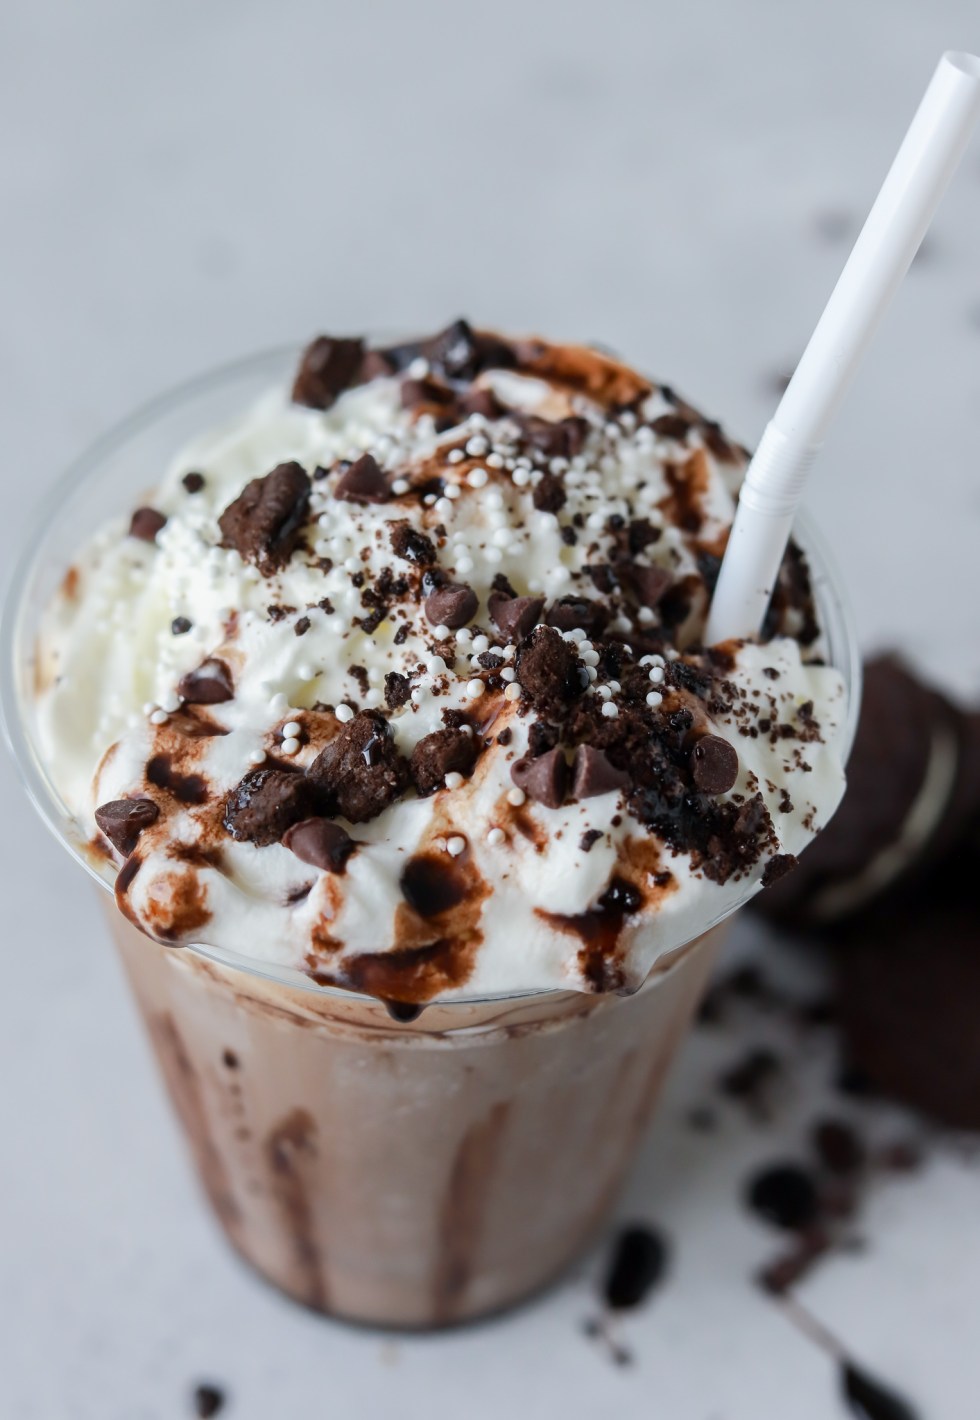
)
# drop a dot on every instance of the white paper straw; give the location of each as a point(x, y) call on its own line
point(882, 254)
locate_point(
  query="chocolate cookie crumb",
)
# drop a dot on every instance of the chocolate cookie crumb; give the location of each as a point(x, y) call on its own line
point(146, 523)
point(263, 523)
point(411, 545)
point(514, 617)
point(441, 753)
point(329, 365)
point(361, 771)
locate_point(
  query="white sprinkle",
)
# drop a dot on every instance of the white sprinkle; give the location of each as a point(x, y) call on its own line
point(290, 745)
point(656, 675)
point(495, 836)
point(558, 465)
point(419, 368)
point(610, 710)
point(516, 797)
point(441, 631)
point(149, 708)
point(615, 687)
point(400, 485)
point(513, 692)
point(455, 845)
point(592, 673)
point(437, 666)
point(481, 643)
point(291, 729)
point(443, 507)
point(353, 564)
point(455, 456)
point(429, 499)
point(344, 713)
point(509, 652)
point(158, 717)
point(474, 689)
point(645, 616)
point(464, 565)
point(256, 756)
point(453, 780)
point(170, 702)
point(521, 477)
point(502, 537)
point(453, 492)
point(466, 729)
point(305, 672)
point(654, 699)
point(603, 692)
point(477, 477)
point(590, 657)
point(506, 673)
point(494, 460)
point(463, 635)
point(477, 446)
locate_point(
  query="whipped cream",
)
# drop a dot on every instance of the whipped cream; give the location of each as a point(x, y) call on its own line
point(553, 786)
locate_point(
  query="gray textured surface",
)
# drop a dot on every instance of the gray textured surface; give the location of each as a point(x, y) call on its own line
point(185, 182)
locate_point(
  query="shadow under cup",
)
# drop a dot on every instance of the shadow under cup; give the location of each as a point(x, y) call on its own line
point(403, 1173)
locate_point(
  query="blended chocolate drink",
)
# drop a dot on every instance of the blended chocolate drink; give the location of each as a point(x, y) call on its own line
point(387, 714)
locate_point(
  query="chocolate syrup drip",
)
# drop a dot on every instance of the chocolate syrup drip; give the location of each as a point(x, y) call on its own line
point(868, 1398)
point(638, 1264)
point(404, 1011)
point(431, 885)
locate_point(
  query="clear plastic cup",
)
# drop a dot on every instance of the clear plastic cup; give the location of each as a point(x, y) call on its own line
point(403, 1173)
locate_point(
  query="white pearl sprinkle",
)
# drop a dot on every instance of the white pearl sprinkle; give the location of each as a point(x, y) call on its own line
point(463, 635)
point(441, 631)
point(590, 657)
point(158, 717)
point(481, 643)
point(455, 845)
point(513, 692)
point(453, 492)
point(516, 797)
point(464, 565)
point(610, 710)
point(654, 699)
point(455, 456)
point(477, 446)
point(477, 478)
point(256, 756)
point(474, 689)
point(400, 486)
point(656, 675)
point(495, 460)
point(291, 729)
point(495, 836)
point(305, 672)
point(453, 779)
point(290, 745)
point(645, 616)
point(170, 702)
point(419, 368)
point(603, 692)
point(521, 477)
point(443, 507)
point(149, 707)
point(352, 564)
point(615, 687)
point(506, 673)
point(344, 713)
point(592, 673)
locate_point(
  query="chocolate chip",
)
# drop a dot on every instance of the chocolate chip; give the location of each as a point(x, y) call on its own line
point(452, 605)
point(411, 545)
point(416, 392)
point(514, 617)
point(640, 534)
point(329, 366)
point(210, 684)
point(441, 753)
point(208, 1401)
point(647, 584)
point(146, 523)
point(180, 626)
point(320, 843)
point(362, 482)
point(546, 667)
point(193, 482)
point(638, 1264)
point(777, 868)
point(671, 426)
point(785, 1195)
point(714, 764)
point(549, 494)
point(361, 771)
point(303, 625)
point(398, 689)
point(577, 614)
point(544, 780)
point(562, 438)
point(589, 839)
point(263, 523)
point(267, 802)
point(123, 820)
point(593, 774)
point(477, 400)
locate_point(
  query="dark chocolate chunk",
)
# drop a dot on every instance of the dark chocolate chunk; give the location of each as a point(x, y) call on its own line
point(777, 868)
point(208, 1401)
point(589, 839)
point(329, 366)
point(785, 1195)
point(671, 426)
point(441, 753)
point(210, 684)
point(123, 820)
point(453, 352)
point(303, 625)
point(453, 605)
point(547, 667)
point(647, 584)
point(361, 771)
point(514, 617)
point(146, 523)
point(180, 626)
point(562, 438)
point(411, 545)
point(362, 482)
point(416, 392)
point(193, 482)
point(477, 400)
point(593, 774)
point(578, 614)
point(263, 523)
point(549, 494)
point(638, 1264)
point(267, 802)
point(544, 779)
point(320, 843)
point(398, 689)
point(714, 765)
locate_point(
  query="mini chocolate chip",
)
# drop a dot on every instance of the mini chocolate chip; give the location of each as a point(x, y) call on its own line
point(441, 753)
point(594, 775)
point(146, 523)
point(514, 617)
point(398, 689)
point(320, 843)
point(544, 780)
point(714, 764)
point(329, 366)
point(263, 523)
point(193, 482)
point(453, 605)
point(123, 820)
point(411, 545)
point(647, 584)
point(303, 625)
point(266, 803)
point(577, 614)
point(362, 482)
point(777, 868)
point(549, 494)
point(210, 684)
point(180, 626)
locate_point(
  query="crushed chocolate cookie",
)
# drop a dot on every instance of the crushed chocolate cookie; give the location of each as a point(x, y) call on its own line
point(146, 523)
point(180, 626)
point(123, 820)
point(411, 545)
point(329, 365)
point(561, 438)
point(589, 839)
point(578, 614)
point(398, 690)
point(777, 868)
point(267, 802)
point(547, 668)
point(549, 494)
point(303, 625)
point(263, 523)
point(441, 753)
point(361, 771)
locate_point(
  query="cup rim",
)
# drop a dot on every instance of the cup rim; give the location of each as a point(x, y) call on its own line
point(836, 618)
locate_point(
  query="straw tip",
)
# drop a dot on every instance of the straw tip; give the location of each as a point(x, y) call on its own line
point(960, 59)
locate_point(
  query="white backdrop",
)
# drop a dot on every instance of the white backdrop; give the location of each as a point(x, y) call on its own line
point(185, 182)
